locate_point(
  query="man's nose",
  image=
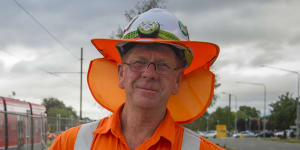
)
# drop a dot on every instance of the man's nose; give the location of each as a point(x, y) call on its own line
point(150, 70)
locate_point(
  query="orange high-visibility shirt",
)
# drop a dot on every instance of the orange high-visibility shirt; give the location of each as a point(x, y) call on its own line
point(108, 136)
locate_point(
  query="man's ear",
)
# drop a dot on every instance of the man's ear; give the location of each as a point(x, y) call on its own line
point(178, 82)
point(121, 75)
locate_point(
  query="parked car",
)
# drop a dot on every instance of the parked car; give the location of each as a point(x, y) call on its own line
point(289, 133)
point(236, 135)
point(279, 134)
point(201, 133)
point(210, 134)
point(244, 134)
point(265, 134)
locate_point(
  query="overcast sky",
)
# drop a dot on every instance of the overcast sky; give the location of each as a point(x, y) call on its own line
point(250, 34)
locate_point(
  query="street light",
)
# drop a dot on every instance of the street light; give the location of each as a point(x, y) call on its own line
point(298, 104)
point(265, 97)
point(229, 111)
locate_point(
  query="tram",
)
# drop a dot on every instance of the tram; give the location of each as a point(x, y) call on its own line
point(22, 125)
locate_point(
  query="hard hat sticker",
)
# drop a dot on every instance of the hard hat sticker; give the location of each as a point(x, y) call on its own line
point(148, 27)
point(183, 29)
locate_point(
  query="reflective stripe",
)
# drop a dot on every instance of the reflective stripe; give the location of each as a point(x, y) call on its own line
point(85, 136)
point(190, 140)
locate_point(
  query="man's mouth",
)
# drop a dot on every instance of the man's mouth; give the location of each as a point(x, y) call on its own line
point(152, 90)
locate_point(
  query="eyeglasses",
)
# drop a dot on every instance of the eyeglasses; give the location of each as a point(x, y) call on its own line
point(142, 65)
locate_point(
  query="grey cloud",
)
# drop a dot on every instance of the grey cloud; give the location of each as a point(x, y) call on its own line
point(209, 6)
point(239, 22)
point(1, 67)
point(21, 67)
point(70, 22)
point(295, 40)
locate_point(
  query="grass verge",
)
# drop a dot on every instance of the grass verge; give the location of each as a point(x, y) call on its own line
point(288, 140)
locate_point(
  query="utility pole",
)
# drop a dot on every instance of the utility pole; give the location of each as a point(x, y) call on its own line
point(81, 62)
point(81, 72)
point(229, 114)
point(207, 123)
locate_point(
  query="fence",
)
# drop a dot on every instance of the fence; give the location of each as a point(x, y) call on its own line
point(28, 132)
point(59, 124)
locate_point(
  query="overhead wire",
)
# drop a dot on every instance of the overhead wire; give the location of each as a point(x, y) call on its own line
point(53, 74)
point(44, 28)
point(50, 34)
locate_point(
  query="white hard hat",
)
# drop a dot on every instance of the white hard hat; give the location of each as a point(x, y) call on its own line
point(167, 25)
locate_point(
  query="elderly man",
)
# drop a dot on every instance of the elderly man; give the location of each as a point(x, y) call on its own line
point(153, 79)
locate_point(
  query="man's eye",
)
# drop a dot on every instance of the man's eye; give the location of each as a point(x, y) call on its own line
point(163, 66)
point(139, 63)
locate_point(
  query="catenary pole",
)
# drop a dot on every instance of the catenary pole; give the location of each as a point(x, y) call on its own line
point(229, 111)
point(81, 73)
point(81, 62)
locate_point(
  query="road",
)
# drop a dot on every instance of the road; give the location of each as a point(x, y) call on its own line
point(254, 144)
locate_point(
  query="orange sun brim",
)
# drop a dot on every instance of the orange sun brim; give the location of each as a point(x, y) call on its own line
point(196, 89)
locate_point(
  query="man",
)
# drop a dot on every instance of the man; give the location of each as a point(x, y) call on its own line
point(153, 79)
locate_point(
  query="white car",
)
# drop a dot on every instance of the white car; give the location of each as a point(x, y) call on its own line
point(210, 134)
point(201, 133)
point(244, 134)
point(288, 133)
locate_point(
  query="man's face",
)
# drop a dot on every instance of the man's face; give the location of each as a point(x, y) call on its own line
point(149, 89)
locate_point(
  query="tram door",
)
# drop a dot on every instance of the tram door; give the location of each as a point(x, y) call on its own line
point(21, 133)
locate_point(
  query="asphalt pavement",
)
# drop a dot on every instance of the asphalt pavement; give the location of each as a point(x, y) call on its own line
point(254, 144)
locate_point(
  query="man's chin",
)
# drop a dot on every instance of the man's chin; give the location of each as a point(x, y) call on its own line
point(146, 101)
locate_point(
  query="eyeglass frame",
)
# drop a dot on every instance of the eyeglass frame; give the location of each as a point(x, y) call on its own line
point(155, 64)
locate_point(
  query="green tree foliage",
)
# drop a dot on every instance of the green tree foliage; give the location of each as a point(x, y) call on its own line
point(209, 121)
point(52, 102)
point(250, 112)
point(283, 112)
point(54, 107)
point(221, 116)
point(199, 124)
point(247, 118)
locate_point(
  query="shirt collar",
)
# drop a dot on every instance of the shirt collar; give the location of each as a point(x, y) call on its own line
point(166, 128)
point(111, 123)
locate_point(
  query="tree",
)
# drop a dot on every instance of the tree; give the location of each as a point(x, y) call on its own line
point(52, 102)
point(142, 7)
point(199, 124)
point(247, 118)
point(220, 116)
point(251, 112)
point(283, 112)
point(54, 107)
